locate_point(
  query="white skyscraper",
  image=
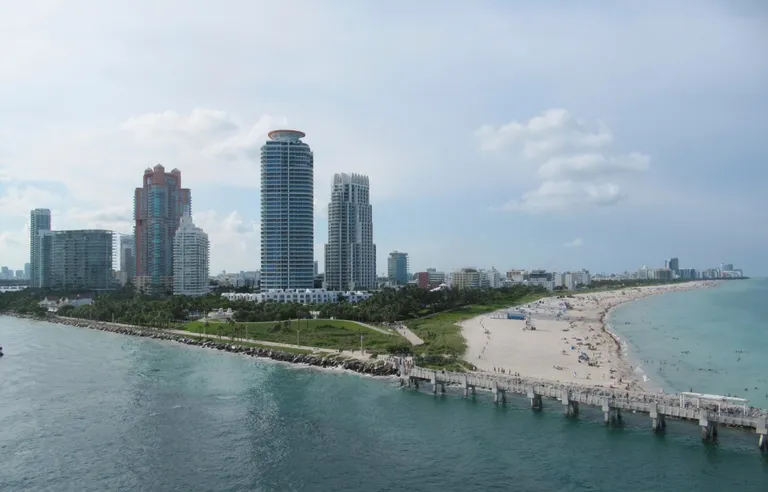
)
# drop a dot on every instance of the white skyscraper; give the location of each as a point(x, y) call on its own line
point(190, 259)
point(350, 255)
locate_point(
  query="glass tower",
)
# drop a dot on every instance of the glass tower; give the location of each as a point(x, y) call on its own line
point(287, 212)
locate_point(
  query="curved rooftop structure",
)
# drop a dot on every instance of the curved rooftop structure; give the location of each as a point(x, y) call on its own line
point(286, 135)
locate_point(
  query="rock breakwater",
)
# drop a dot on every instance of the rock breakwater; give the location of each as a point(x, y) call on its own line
point(373, 368)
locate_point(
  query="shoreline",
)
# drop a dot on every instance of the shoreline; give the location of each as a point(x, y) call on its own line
point(331, 361)
point(572, 340)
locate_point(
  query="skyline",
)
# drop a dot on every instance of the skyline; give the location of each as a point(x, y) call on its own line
point(492, 133)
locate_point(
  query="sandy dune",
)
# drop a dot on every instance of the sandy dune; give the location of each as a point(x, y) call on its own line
point(562, 333)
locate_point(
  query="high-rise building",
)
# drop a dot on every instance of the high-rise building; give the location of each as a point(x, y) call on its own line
point(127, 257)
point(287, 212)
point(350, 255)
point(6, 273)
point(191, 253)
point(397, 267)
point(39, 221)
point(158, 207)
point(674, 264)
point(27, 270)
point(80, 259)
point(19, 275)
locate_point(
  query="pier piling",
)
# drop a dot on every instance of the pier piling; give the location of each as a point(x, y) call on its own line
point(708, 427)
point(658, 422)
point(612, 401)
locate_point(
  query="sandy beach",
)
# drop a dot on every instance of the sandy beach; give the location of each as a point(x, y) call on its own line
point(569, 343)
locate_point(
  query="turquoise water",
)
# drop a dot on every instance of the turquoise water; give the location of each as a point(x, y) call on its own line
point(709, 340)
point(83, 410)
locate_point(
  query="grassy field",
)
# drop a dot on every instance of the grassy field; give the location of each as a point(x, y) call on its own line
point(323, 333)
point(441, 332)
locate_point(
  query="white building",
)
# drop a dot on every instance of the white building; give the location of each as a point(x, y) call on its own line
point(301, 296)
point(350, 255)
point(494, 278)
point(191, 252)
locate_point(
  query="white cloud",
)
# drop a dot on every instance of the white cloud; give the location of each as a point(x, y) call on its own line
point(565, 196)
point(576, 243)
point(235, 241)
point(574, 161)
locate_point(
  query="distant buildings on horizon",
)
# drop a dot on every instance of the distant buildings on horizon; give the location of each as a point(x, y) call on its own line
point(168, 253)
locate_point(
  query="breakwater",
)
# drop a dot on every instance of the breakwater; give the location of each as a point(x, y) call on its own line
point(381, 367)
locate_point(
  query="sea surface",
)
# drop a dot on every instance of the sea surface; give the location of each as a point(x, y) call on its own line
point(82, 410)
point(707, 340)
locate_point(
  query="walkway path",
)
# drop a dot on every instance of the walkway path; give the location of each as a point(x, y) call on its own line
point(411, 336)
point(349, 353)
point(374, 328)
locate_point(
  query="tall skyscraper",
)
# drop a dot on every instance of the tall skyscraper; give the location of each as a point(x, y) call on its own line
point(350, 255)
point(27, 270)
point(397, 267)
point(287, 212)
point(674, 264)
point(158, 207)
point(39, 221)
point(128, 257)
point(80, 259)
point(190, 259)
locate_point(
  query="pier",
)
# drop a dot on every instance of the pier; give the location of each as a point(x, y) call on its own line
point(708, 411)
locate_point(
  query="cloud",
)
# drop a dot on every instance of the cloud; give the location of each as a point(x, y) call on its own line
point(565, 196)
point(170, 126)
point(576, 243)
point(235, 241)
point(574, 161)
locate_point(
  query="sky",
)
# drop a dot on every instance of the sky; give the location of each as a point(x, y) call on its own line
point(496, 133)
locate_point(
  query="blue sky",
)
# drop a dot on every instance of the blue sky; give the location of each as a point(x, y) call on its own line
point(603, 135)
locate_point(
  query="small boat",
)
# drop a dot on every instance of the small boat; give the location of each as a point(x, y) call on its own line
point(1, 351)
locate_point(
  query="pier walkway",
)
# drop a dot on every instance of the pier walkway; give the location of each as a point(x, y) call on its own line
point(705, 410)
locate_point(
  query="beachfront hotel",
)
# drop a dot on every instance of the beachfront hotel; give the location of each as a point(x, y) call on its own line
point(350, 255)
point(287, 212)
point(157, 208)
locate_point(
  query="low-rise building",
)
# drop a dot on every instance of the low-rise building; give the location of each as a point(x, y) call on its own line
point(467, 278)
point(301, 296)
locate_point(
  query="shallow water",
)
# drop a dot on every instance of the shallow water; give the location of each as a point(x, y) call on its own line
point(709, 340)
point(84, 410)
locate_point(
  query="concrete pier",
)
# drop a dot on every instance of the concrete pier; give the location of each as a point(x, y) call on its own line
point(499, 395)
point(708, 426)
point(536, 403)
point(658, 421)
point(467, 387)
point(571, 405)
point(612, 415)
point(708, 411)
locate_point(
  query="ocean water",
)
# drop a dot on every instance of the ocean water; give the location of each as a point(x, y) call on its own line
point(708, 340)
point(82, 410)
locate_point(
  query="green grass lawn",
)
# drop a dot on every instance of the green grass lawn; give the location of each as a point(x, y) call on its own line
point(334, 334)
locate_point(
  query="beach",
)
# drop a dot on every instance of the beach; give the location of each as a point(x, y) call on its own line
point(564, 338)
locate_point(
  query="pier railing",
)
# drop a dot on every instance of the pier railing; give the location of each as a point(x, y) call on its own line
point(612, 401)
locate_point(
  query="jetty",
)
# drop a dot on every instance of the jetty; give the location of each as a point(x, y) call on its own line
point(708, 411)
